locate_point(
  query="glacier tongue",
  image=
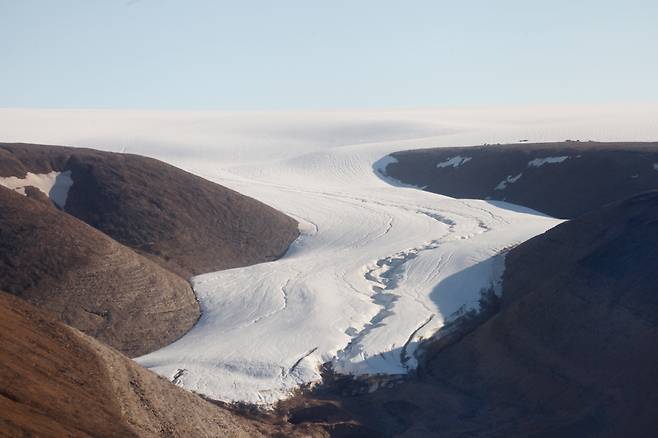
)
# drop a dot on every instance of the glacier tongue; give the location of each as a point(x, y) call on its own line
point(377, 268)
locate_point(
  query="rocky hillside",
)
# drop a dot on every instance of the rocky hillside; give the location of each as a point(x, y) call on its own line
point(572, 355)
point(56, 381)
point(88, 280)
point(185, 223)
point(563, 179)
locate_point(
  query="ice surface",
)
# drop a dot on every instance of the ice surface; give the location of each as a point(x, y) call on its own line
point(538, 162)
point(55, 185)
point(454, 161)
point(377, 267)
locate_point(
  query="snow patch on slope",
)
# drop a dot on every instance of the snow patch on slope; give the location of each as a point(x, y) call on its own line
point(538, 162)
point(55, 185)
point(454, 161)
point(509, 180)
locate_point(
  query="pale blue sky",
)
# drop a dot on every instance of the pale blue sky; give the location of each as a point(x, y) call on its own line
point(304, 54)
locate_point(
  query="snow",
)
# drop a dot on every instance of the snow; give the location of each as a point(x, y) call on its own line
point(454, 161)
point(538, 162)
point(377, 267)
point(55, 185)
point(509, 180)
point(380, 166)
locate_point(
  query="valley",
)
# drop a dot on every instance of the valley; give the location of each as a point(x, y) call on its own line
point(378, 268)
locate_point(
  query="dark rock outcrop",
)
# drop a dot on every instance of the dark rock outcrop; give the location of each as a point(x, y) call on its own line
point(185, 223)
point(581, 176)
point(88, 280)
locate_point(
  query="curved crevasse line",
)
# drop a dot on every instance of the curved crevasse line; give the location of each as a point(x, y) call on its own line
point(404, 355)
point(284, 298)
point(295, 365)
point(284, 304)
point(303, 223)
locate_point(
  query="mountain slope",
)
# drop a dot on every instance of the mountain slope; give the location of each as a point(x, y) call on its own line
point(56, 381)
point(185, 223)
point(561, 179)
point(99, 286)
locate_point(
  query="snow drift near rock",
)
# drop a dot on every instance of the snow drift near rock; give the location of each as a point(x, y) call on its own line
point(539, 162)
point(454, 161)
point(55, 185)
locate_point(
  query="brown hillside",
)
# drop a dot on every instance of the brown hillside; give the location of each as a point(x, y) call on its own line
point(56, 381)
point(88, 280)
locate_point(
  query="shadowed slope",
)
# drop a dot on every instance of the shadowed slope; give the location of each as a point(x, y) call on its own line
point(572, 352)
point(99, 286)
point(561, 179)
